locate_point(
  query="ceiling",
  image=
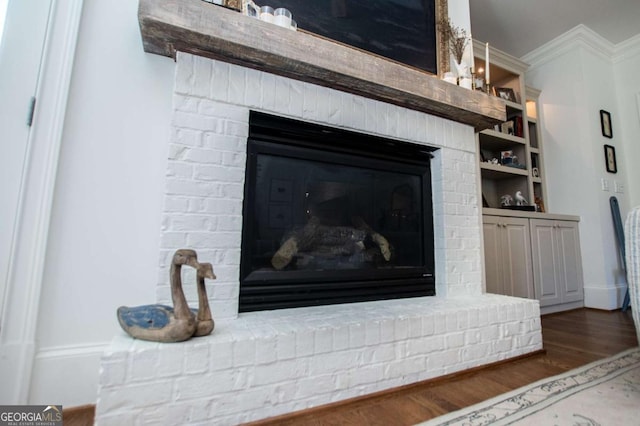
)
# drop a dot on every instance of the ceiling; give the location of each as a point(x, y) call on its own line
point(519, 26)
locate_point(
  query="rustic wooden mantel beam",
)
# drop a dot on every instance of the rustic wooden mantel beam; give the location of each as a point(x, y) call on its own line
point(215, 32)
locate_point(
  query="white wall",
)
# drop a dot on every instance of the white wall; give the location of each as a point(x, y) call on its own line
point(103, 244)
point(574, 73)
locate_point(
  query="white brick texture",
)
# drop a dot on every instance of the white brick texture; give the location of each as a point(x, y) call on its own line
point(207, 155)
point(269, 363)
point(263, 364)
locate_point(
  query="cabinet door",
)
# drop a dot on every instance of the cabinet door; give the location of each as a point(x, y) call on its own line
point(517, 268)
point(545, 258)
point(493, 254)
point(507, 256)
point(570, 274)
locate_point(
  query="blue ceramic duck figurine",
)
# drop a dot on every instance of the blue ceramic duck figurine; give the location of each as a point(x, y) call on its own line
point(204, 321)
point(161, 323)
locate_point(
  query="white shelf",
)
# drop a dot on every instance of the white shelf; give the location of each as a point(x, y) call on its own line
point(513, 105)
point(498, 171)
point(492, 138)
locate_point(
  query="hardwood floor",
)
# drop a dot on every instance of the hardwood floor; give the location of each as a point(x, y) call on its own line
point(571, 339)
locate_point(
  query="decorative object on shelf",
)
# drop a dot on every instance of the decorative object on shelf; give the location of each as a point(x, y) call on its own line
point(610, 159)
point(506, 93)
point(487, 67)
point(450, 77)
point(518, 126)
point(204, 320)
point(539, 204)
point(231, 4)
point(161, 323)
point(251, 9)
point(535, 172)
point(515, 163)
point(507, 127)
point(520, 200)
point(506, 157)
point(506, 200)
point(266, 14)
point(605, 124)
point(457, 41)
point(478, 80)
point(282, 17)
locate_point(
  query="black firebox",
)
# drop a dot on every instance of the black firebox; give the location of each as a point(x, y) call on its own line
point(333, 216)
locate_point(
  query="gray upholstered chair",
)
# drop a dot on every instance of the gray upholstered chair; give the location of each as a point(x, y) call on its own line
point(632, 254)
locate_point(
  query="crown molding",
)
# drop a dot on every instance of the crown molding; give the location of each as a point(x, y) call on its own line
point(578, 36)
point(627, 49)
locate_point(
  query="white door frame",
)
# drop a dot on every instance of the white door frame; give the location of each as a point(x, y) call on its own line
point(25, 277)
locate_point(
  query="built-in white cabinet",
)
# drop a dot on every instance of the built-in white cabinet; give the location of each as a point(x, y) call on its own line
point(507, 248)
point(534, 255)
point(557, 265)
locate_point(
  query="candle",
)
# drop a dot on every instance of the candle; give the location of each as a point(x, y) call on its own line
point(486, 63)
point(472, 61)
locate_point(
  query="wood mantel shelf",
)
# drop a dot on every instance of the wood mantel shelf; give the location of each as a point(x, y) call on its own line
point(215, 32)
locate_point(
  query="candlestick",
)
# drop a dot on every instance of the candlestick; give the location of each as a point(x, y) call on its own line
point(486, 64)
point(472, 62)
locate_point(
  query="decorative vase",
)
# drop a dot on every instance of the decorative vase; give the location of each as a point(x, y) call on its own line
point(464, 76)
point(465, 82)
point(450, 77)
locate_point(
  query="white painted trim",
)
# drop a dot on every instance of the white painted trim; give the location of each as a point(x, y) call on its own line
point(607, 298)
point(26, 272)
point(579, 36)
point(68, 351)
point(544, 310)
point(68, 373)
point(627, 49)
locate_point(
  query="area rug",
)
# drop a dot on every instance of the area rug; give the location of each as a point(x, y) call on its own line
point(605, 392)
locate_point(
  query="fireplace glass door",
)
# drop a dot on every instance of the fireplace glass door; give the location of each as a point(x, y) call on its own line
point(333, 217)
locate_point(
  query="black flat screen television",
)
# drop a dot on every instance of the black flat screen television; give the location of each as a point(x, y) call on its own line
point(401, 30)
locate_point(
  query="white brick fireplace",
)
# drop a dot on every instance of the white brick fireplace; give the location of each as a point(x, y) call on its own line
point(261, 364)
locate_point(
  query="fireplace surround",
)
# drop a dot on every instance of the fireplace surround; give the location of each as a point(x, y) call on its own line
point(261, 364)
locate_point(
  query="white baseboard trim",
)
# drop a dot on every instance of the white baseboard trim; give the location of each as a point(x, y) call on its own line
point(561, 307)
point(607, 298)
point(66, 375)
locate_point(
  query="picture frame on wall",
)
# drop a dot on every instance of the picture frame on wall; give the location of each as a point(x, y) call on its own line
point(610, 159)
point(605, 124)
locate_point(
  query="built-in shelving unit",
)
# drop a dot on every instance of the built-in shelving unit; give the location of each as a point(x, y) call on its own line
point(510, 154)
point(532, 254)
